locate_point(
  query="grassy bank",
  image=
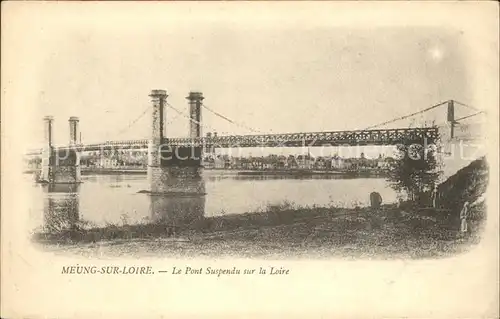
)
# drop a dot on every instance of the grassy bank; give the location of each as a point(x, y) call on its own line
point(287, 231)
point(281, 231)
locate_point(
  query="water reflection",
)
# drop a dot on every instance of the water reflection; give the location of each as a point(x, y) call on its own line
point(61, 207)
point(180, 208)
point(177, 210)
point(114, 202)
point(63, 220)
point(251, 177)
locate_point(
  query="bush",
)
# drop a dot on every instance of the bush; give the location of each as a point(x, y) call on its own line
point(414, 172)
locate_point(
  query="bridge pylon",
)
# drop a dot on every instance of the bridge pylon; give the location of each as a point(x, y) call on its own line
point(195, 100)
point(48, 122)
point(174, 169)
point(60, 166)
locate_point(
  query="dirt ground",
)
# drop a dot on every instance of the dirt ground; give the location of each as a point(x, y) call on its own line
point(290, 233)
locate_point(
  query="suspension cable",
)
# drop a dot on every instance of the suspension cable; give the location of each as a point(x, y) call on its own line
point(133, 122)
point(466, 105)
point(172, 119)
point(231, 121)
point(187, 116)
point(466, 117)
point(407, 116)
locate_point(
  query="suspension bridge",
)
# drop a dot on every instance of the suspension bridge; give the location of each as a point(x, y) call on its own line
point(55, 157)
point(335, 138)
point(371, 135)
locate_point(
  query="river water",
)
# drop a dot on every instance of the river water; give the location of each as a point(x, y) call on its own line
point(115, 199)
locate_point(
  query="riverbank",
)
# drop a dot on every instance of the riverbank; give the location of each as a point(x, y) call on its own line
point(280, 232)
point(216, 171)
point(307, 173)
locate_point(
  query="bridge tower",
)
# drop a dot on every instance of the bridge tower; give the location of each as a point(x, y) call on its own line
point(462, 141)
point(174, 170)
point(158, 99)
point(451, 117)
point(209, 149)
point(195, 100)
point(47, 150)
point(74, 133)
point(60, 166)
point(73, 130)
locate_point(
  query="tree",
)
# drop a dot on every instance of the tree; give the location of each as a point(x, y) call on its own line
point(414, 171)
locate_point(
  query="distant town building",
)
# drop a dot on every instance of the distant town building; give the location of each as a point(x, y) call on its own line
point(337, 163)
point(219, 162)
point(321, 163)
point(305, 161)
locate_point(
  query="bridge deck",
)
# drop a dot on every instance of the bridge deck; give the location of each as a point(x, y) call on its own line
point(335, 138)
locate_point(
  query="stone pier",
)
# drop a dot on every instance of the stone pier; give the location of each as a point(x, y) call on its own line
point(60, 166)
point(174, 170)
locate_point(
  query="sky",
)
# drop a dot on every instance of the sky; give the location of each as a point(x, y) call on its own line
point(274, 79)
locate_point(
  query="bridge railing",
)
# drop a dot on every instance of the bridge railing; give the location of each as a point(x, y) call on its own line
point(374, 137)
point(333, 138)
